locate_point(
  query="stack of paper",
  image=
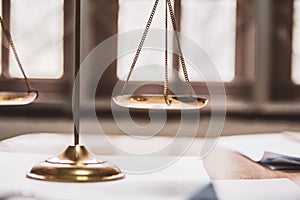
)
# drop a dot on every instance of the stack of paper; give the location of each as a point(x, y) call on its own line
point(276, 151)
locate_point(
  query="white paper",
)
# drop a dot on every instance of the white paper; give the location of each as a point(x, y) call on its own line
point(275, 189)
point(175, 182)
point(254, 146)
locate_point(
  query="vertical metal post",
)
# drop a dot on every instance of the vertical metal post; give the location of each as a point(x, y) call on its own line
point(77, 75)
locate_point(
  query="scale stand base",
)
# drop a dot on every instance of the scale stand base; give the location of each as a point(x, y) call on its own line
point(75, 164)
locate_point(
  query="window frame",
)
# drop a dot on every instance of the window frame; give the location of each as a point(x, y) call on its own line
point(283, 86)
point(252, 69)
point(109, 9)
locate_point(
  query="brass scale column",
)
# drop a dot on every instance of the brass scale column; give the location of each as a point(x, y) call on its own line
point(76, 163)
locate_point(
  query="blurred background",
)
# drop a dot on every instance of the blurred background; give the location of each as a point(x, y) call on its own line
point(255, 45)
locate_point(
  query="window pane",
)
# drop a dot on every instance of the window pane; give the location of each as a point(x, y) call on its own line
point(134, 14)
point(296, 44)
point(212, 24)
point(1, 42)
point(37, 30)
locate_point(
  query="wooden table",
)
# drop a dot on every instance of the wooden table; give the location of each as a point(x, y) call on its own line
point(221, 163)
point(226, 164)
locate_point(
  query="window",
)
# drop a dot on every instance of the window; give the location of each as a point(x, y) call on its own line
point(37, 29)
point(250, 41)
point(210, 23)
point(1, 34)
point(43, 33)
point(296, 44)
point(150, 64)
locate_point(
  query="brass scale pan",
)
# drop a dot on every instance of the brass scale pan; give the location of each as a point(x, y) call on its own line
point(17, 98)
point(177, 102)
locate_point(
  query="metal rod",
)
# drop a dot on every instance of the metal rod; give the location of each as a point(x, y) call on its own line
point(77, 66)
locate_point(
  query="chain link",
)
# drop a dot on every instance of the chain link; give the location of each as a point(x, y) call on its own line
point(166, 89)
point(11, 43)
point(186, 77)
point(182, 61)
point(140, 45)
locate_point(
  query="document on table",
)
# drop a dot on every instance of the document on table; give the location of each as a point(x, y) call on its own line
point(275, 189)
point(178, 181)
point(276, 151)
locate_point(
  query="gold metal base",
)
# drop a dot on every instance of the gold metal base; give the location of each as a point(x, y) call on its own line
point(75, 164)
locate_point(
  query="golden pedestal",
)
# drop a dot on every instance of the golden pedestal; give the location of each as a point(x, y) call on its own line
point(75, 164)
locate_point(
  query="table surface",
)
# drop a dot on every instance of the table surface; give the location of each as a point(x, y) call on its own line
point(236, 166)
point(221, 163)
